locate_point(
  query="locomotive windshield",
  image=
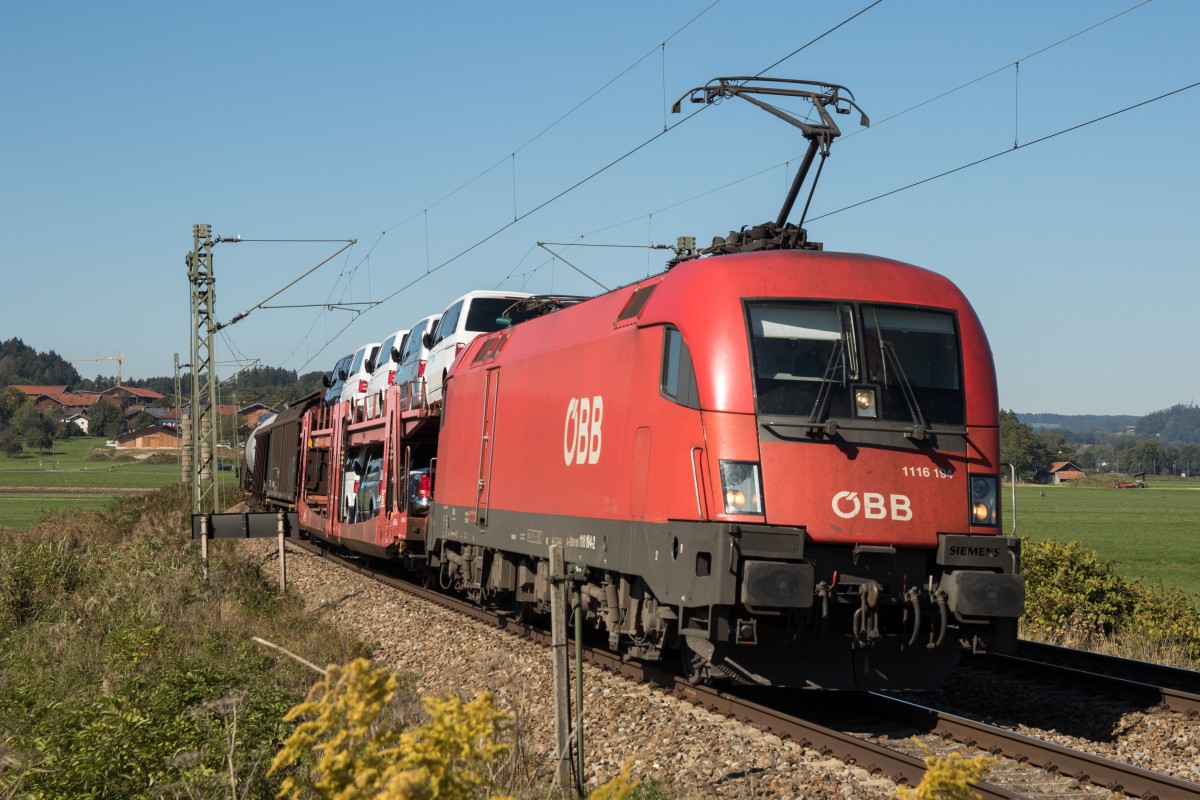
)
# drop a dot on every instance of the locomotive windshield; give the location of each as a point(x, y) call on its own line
point(924, 347)
point(808, 357)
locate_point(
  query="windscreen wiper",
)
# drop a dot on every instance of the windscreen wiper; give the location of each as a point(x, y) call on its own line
point(920, 429)
point(818, 420)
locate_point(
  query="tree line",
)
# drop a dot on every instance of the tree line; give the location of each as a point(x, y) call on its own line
point(1033, 453)
point(270, 385)
point(21, 364)
point(25, 427)
point(1165, 442)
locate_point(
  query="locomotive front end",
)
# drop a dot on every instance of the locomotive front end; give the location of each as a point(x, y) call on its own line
point(780, 462)
point(855, 459)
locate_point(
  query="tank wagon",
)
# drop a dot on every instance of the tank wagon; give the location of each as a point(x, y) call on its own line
point(777, 463)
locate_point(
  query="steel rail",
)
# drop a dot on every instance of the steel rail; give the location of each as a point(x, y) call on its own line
point(1084, 767)
point(875, 758)
point(1154, 684)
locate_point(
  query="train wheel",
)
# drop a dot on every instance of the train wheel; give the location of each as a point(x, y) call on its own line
point(520, 610)
point(696, 668)
point(429, 577)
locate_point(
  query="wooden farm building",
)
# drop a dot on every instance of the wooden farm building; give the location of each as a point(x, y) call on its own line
point(1063, 472)
point(148, 438)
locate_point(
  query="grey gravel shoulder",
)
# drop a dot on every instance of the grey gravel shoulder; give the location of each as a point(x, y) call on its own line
point(693, 752)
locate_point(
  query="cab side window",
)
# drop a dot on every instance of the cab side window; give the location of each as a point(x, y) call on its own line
point(678, 379)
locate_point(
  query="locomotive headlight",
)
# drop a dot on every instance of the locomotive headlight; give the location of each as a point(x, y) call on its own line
point(741, 486)
point(984, 496)
point(864, 402)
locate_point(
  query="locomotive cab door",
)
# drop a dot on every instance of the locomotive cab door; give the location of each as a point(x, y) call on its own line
point(491, 397)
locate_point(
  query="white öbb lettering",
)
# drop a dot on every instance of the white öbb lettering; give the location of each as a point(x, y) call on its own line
point(872, 505)
point(582, 432)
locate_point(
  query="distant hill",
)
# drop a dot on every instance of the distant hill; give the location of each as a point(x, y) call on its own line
point(1177, 425)
point(1113, 423)
point(22, 365)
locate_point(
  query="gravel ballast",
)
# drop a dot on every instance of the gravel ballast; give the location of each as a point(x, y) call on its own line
point(694, 753)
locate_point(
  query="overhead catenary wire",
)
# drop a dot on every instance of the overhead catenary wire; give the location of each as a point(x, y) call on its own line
point(319, 317)
point(539, 207)
point(326, 305)
point(606, 166)
point(425, 211)
point(811, 42)
point(875, 124)
point(572, 266)
point(452, 259)
point(557, 121)
point(239, 317)
point(1008, 151)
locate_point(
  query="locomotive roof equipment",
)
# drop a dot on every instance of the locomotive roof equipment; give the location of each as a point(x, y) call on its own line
point(780, 234)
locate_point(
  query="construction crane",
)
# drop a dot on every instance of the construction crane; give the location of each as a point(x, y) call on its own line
point(117, 358)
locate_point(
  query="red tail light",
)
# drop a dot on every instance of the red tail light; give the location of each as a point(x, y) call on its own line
point(423, 486)
point(458, 348)
point(391, 376)
point(362, 387)
point(355, 490)
point(421, 368)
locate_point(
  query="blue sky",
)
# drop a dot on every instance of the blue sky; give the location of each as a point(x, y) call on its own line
point(124, 124)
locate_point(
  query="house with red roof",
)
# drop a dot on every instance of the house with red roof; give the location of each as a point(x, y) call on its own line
point(58, 398)
point(124, 396)
point(1064, 472)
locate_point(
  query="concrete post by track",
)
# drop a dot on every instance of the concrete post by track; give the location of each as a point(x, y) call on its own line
point(559, 608)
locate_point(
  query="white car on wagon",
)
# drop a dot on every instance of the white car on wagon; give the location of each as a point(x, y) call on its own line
point(410, 374)
point(359, 373)
point(387, 364)
point(470, 315)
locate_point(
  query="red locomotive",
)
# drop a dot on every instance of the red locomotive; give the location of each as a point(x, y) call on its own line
point(780, 462)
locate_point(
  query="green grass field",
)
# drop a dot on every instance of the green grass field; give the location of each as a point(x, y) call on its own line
point(21, 510)
point(1151, 533)
point(66, 467)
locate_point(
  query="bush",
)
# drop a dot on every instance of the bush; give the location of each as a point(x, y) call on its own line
point(1167, 618)
point(341, 750)
point(1074, 598)
point(124, 674)
point(1064, 582)
point(351, 745)
point(948, 778)
point(109, 454)
point(34, 575)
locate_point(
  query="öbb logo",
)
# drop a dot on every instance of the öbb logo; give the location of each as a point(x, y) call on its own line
point(582, 434)
point(872, 505)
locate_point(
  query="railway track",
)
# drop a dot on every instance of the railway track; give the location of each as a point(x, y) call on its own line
point(1170, 688)
point(1081, 766)
point(821, 722)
